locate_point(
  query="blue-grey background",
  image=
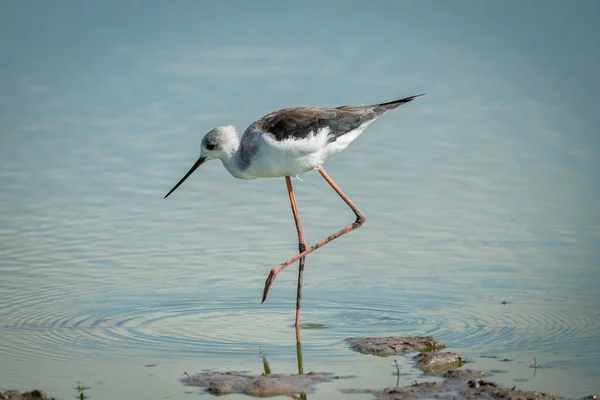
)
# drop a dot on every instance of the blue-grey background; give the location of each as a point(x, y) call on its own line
point(484, 190)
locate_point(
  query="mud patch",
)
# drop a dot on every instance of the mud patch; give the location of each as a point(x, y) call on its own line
point(434, 362)
point(258, 385)
point(480, 389)
point(389, 346)
point(462, 374)
point(456, 389)
point(33, 395)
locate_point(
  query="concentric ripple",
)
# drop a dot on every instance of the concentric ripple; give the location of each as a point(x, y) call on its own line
point(520, 327)
point(166, 329)
point(60, 332)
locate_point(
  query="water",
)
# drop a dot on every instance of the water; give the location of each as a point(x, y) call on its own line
point(106, 283)
point(483, 191)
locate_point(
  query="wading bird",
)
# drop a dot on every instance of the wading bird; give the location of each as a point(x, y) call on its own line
point(287, 143)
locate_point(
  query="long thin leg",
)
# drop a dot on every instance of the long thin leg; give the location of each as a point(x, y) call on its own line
point(360, 219)
point(301, 246)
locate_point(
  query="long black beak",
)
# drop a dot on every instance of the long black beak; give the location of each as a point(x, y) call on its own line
point(194, 167)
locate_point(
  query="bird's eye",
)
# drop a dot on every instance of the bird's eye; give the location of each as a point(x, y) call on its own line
point(210, 146)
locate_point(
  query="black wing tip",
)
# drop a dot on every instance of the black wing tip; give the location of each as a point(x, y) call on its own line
point(402, 101)
point(389, 103)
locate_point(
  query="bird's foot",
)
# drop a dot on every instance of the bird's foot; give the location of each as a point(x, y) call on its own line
point(269, 282)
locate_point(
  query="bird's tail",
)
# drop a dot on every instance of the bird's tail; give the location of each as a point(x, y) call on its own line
point(385, 107)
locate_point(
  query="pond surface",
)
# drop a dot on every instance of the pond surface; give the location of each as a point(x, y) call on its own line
point(483, 224)
point(106, 283)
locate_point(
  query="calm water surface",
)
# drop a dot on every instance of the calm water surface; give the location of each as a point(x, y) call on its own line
point(106, 283)
point(483, 191)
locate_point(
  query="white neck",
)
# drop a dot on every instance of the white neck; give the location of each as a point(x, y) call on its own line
point(231, 156)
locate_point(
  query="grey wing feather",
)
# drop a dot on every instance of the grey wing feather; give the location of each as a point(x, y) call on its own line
point(299, 122)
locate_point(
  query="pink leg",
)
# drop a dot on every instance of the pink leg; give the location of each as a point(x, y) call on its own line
point(360, 219)
point(301, 246)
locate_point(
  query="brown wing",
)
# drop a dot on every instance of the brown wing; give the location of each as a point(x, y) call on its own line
point(299, 122)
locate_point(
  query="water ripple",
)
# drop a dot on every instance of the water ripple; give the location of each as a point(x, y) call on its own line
point(222, 328)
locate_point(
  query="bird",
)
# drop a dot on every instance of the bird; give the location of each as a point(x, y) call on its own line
point(287, 143)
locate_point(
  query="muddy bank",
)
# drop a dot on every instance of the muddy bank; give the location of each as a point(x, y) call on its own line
point(459, 383)
point(456, 389)
point(33, 395)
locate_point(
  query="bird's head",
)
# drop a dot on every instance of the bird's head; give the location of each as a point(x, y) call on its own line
point(219, 143)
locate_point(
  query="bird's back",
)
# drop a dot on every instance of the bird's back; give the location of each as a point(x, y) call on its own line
point(294, 140)
point(299, 122)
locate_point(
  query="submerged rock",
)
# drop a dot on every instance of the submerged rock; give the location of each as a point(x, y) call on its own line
point(435, 362)
point(33, 395)
point(388, 346)
point(257, 385)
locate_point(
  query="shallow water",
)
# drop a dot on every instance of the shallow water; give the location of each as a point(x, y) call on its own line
point(106, 283)
point(483, 191)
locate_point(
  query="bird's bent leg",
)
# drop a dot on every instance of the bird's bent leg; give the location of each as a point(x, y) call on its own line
point(301, 246)
point(360, 219)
